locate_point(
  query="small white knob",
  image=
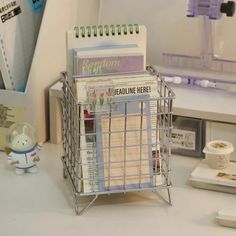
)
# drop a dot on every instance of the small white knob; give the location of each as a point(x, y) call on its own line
point(177, 80)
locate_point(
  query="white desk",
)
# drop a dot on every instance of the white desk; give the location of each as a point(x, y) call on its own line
point(41, 204)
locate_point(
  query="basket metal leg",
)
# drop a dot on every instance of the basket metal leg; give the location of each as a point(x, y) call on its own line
point(168, 199)
point(79, 210)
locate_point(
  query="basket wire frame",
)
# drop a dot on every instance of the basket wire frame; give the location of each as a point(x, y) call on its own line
point(73, 134)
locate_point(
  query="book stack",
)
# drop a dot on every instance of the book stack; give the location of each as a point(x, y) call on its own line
point(118, 138)
point(223, 180)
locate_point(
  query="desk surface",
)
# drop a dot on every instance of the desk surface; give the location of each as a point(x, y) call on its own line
point(42, 204)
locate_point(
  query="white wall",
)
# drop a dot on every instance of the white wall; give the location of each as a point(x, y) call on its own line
point(169, 30)
point(50, 54)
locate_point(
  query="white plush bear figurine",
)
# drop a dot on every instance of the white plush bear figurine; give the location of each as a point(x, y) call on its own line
point(22, 139)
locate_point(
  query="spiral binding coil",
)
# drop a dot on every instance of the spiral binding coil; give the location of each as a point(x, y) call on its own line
point(105, 30)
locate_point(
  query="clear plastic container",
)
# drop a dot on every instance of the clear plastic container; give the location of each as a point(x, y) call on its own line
point(188, 136)
point(218, 153)
point(21, 137)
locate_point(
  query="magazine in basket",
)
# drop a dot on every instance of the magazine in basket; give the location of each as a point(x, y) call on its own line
point(124, 148)
point(133, 131)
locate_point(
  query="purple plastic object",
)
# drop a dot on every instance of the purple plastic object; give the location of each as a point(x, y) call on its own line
point(206, 60)
point(211, 8)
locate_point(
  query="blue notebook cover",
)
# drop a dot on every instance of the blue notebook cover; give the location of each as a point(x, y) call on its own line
point(120, 169)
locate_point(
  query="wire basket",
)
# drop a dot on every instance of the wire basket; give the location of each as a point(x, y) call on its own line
point(125, 148)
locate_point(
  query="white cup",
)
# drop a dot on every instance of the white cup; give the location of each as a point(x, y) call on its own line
point(218, 153)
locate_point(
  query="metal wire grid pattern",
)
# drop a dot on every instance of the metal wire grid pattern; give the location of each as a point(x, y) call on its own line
point(73, 135)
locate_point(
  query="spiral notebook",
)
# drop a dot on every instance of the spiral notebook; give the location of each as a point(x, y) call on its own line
point(19, 26)
point(103, 39)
